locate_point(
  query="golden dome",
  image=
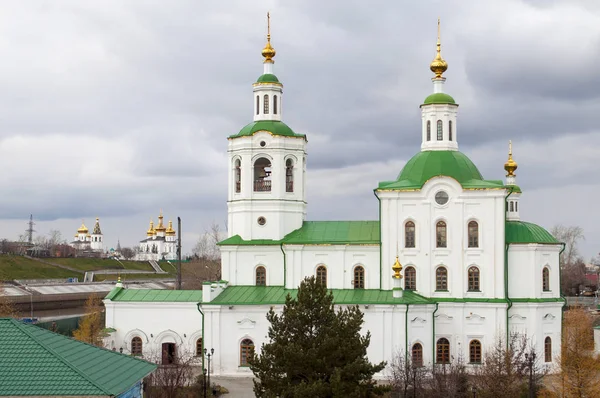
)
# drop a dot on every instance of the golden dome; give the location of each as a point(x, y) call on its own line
point(83, 229)
point(151, 231)
point(170, 231)
point(268, 52)
point(397, 267)
point(160, 227)
point(438, 65)
point(510, 166)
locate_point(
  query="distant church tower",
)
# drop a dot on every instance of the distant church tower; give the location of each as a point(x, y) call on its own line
point(97, 237)
point(267, 165)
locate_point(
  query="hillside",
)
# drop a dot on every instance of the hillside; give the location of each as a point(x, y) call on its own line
point(17, 267)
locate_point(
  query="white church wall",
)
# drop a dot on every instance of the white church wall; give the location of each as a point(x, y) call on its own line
point(538, 321)
point(525, 265)
point(238, 264)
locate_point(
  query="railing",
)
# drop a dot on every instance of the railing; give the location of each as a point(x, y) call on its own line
point(262, 186)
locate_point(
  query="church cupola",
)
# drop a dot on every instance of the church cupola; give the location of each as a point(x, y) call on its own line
point(267, 89)
point(512, 201)
point(439, 110)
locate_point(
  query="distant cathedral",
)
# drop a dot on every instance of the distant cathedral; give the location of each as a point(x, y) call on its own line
point(86, 242)
point(160, 242)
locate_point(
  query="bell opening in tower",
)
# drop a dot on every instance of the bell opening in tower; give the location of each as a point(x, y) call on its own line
point(262, 175)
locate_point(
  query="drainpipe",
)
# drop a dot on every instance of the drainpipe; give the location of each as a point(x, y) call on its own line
point(380, 248)
point(284, 266)
point(203, 342)
point(433, 332)
point(406, 333)
point(506, 245)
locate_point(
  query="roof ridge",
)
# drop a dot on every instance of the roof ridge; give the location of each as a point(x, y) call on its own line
point(24, 329)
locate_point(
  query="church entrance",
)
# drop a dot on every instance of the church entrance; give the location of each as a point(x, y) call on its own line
point(168, 353)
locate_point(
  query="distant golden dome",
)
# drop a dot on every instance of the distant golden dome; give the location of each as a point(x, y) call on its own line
point(170, 231)
point(268, 52)
point(510, 166)
point(160, 227)
point(438, 65)
point(151, 231)
point(397, 267)
point(83, 229)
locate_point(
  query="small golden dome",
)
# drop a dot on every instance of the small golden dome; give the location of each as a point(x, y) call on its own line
point(510, 166)
point(151, 231)
point(438, 65)
point(397, 267)
point(170, 231)
point(160, 227)
point(268, 52)
point(83, 229)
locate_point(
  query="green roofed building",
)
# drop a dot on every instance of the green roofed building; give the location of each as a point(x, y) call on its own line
point(35, 362)
point(446, 267)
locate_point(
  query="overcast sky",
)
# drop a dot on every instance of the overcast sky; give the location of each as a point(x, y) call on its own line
point(120, 108)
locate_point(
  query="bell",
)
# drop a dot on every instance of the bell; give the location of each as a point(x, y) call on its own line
point(262, 173)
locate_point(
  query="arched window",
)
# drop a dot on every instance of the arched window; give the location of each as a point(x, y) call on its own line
point(266, 104)
point(410, 278)
point(441, 279)
point(546, 279)
point(262, 175)
point(473, 234)
point(409, 234)
point(429, 130)
point(450, 130)
point(473, 282)
point(199, 347)
point(442, 351)
point(275, 105)
point(261, 276)
point(322, 274)
point(475, 351)
point(417, 355)
point(359, 277)
point(440, 130)
point(257, 104)
point(136, 346)
point(246, 350)
point(289, 175)
point(238, 176)
point(512, 206)
point(548, 349)
point(516, 206)
point(440, 234)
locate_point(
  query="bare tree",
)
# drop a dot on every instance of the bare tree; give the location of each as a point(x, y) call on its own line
point(407, 377)
point(128, 253)
point(171, 380)
point(571, 262)
point(206, 262)
point(449, 380)
point(206, 247)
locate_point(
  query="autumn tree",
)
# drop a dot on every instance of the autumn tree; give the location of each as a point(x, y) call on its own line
point(7, 309)
point(91, 325)
point(578, 364)
point(314, 350)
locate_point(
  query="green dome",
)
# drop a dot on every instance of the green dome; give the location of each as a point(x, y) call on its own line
point(428, 164)
point(268, 78)
point(272, 126)
point(439, 98)
point(526, 232)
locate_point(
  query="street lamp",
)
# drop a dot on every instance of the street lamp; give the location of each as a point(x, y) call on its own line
point(204, 379)
point(208, 355)
point(530, 360)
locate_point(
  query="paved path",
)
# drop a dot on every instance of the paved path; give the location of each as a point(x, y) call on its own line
point(239, 387)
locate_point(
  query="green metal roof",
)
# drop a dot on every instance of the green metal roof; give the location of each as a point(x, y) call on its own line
point(267, 78)
point(274, 127)
point(526, 232)
point(428, 164)
point(321, 233)
point(35, 361)
point(266, 295)
point(154, 295)
point(439, 98)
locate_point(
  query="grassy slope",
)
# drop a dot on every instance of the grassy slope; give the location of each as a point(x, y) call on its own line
point(125, 277)
point(16, 267)
point(92, 264)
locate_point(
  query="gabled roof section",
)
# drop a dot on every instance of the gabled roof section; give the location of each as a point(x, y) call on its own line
point(274, 127)
point(268, 295)
point(38, 362)
point(526, 232)
point(321, 233)
point(154, 295)
point(428, 164)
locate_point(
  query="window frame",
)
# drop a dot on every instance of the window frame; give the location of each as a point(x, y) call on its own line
point(416, 355)
point(246, 348)
point(429, 130)
point(200, 345)
point(441, 235)
point(441, 279)
point(440, 130)
point(289, 175)
point(410, 278)
point(137, 349)
point(473, 234)
point(237, 176)
point(410, 241)
point(442, 351)
point(473, 279)
point(275, 105)
point(475, 354)
point(266, 104)
point(546, 279)
point(321, 274)
point(548, 349)
point(450, 130)
point(258, 104)
point(359, 277)
point(260, 275)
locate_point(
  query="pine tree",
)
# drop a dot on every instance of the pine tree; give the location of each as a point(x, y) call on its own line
point(315, 351)
point(91, 326)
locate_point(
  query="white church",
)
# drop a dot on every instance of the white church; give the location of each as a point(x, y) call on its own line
point(160, 242)
point(86, 242)
point(448, 267)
